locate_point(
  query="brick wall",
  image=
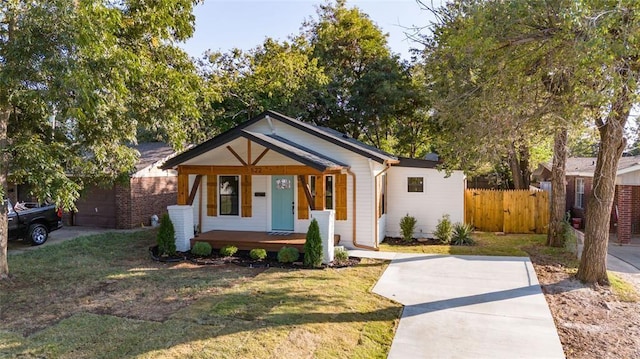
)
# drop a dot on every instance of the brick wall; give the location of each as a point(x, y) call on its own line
point(149, 196)
point(624, 199)
point(123, 205)
point(635, 210)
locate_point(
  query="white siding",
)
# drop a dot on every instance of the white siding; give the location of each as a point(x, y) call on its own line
point(365, 199)
point(363, 168)
point(258, 222)
point(441, 195)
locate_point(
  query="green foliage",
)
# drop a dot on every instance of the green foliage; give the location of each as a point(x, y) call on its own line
point(79, 78)
point(340, 256)
point(273, 76)
point(258, 254)
point(444, 229)
point(166, 237)
point(313, 246)
point(288, 255)
point(407, 227)
point(228, 251)
point(201, 249)
point(462, 235)
point(369, 90)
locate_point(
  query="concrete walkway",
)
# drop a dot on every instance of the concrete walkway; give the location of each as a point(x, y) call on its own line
point(467, 307)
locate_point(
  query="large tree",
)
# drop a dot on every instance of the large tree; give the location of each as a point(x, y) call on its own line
point(272, 76)
point(583, 55)
point(489, 99)
point(369, 90)
point(78, 79)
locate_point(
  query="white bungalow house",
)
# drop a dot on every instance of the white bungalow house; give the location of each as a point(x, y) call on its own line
point(270, 173)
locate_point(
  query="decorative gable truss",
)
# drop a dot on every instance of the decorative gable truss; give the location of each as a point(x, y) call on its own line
point(315, 165)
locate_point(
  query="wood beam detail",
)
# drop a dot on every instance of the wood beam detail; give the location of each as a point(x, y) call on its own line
point(194, 190)
point(237, 155)
point(307, 192)
point(260, 157)
point(248, 170)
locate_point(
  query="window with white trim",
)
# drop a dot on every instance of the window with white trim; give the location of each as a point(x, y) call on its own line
point(328, 192)
point(579, 202)
point(229, 195)
point(415, 184)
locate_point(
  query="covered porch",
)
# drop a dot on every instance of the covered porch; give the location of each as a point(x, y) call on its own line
point(247, 240)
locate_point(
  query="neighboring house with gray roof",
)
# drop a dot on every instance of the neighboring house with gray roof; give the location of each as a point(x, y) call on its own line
point(625, 213)
point(268, 173)
point(148, 191)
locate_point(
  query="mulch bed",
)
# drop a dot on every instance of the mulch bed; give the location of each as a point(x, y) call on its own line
point(397, 241)
point(242, 258)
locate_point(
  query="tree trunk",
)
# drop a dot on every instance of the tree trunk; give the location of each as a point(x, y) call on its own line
point(555, 237)
point(4, 169)
point(518, 159)
point(593, 264)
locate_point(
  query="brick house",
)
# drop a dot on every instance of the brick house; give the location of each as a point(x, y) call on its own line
point(625, 213)
point(149, 191)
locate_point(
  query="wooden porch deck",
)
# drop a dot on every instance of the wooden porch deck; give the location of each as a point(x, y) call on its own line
point(246, 240)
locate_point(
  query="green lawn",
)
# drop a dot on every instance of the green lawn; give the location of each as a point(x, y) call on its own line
point(488, 244)
point(102, 297)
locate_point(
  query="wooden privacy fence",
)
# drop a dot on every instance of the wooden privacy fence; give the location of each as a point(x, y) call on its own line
point(509, 211)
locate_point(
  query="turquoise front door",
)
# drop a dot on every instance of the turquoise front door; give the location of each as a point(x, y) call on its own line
point(282, 203)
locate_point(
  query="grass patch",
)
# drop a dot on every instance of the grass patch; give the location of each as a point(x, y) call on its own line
point(487, 244)
point(102, 297)
point(625, 291)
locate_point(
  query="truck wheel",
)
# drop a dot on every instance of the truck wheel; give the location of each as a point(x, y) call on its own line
point(38, 234)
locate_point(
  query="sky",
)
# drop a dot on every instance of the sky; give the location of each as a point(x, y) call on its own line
point(225, 24)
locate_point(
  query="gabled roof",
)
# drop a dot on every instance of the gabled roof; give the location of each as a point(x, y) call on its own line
point(151, 153)
point(295, 151)
point(417, 163)
point(328, 135)
point(586, 166)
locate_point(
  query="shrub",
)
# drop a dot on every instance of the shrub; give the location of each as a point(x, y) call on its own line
point(313, 246)
point(228, 251)
point(462, 235)
point(288, 255)
point(444, 230)
point(201, 249)
point(166, 237)
point(407, 226)
point(340, 255)
point(258, 254)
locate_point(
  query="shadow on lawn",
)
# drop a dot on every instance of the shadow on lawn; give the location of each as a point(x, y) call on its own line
point(126, 298)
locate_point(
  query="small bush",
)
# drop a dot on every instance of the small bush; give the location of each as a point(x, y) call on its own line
point(407, 226)
point(340, 256)
point(228, 251)
point(201, 249)
point(444, 230)
point(258, 254)
point(462, 235)
point(166, 237)
point(288, 255)
point(313, 246)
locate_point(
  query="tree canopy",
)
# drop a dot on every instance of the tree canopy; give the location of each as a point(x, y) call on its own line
point(512, 71)
point(78, 80)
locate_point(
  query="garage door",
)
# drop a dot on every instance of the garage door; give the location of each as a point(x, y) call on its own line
point(96, 208)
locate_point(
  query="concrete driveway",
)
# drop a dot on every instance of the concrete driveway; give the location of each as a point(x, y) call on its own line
point(629, 254)
point(467, 307)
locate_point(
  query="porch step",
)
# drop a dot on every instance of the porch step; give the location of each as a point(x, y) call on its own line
point(245, 240)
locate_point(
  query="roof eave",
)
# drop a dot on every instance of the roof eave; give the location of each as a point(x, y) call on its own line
point(378, 158)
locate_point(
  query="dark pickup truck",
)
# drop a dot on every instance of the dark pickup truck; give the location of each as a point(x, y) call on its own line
point(32, 221)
